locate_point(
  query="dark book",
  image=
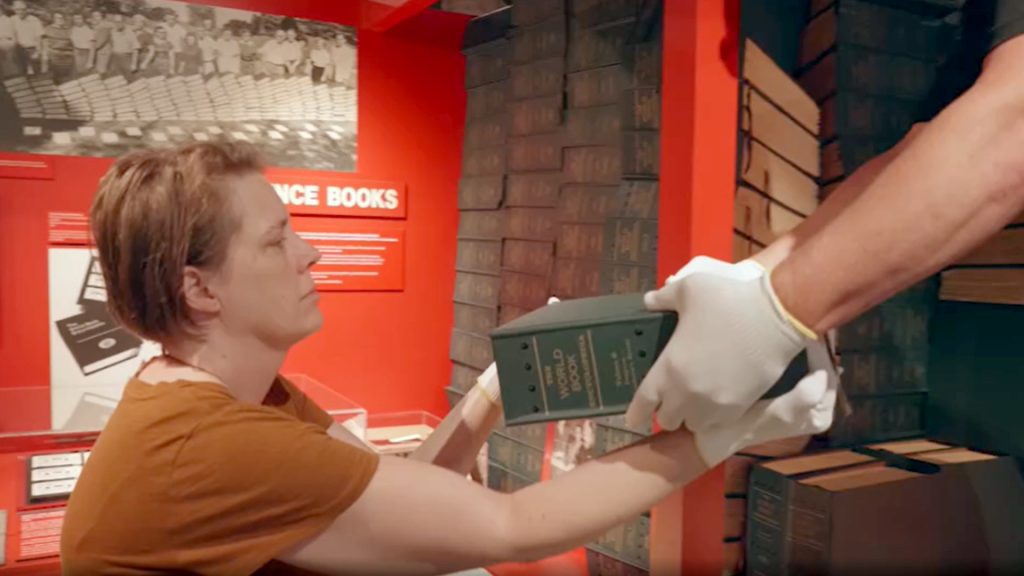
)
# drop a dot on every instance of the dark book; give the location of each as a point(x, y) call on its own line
point(531, 224)
point(481, 192)
point(643, 63)
point(485, 132)
point(597, 87)
point(878, 418)
point(484, 161)
point(524, 290)
point(589, 204)
point(487, 63)
point(598, 125)
point(600, 13)
point(533, 435)
point(525, 461)
point(501, 479)
point(541, 78)
point(593, 165)
point(580, 241)
point(94, 290)
point(885, 371)
point(576, 278)
point(487, 100)
point(535, 116)
point(530, 12)
point(471, 349)
point(641, 153)
point(478, 256)
point(454, 396)
point(589, 49)
point(475, 319)
point(536, 153)
point(639, 198)
point(528, 256)
point(534, 189)
point(477, 289)
point(546, 39)
point(481, 224)
point(97, 342)
point(631, 241)
point(509, 312)
point(600, 563)
point(641, 108)
point(620, 278)
point(584, 358)
point(464, 377)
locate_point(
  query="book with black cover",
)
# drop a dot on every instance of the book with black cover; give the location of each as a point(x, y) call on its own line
point(96, 341)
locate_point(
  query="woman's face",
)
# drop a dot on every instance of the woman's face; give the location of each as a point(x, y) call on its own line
point(264, 288)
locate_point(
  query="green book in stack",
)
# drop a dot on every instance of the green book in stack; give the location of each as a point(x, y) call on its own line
point(585, 358)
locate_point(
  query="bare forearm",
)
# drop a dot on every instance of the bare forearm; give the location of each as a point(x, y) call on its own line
point(957, 184)
point(456, 442)
point(572, 509)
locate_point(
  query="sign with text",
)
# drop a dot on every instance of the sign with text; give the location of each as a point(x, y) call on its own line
point(68, 229)
point(356, 254)
point(26, 167)
point(326, 194)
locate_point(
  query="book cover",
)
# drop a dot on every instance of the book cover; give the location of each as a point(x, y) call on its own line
point(96, 342)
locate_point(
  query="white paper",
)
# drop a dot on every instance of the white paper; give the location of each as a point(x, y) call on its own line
point(251, 127)
point(87, 131)
point(61, 138)
point(33, 131)
point(56, 473)
point(109, 137)
point(133, 131)
point(305, 135)
point(201, 136)
point(174, 130)
point(275, 135)
point(280, 128)
point(62, 459)
point(239, 136)
point(214, 130)
point(159, 136)
point(333, 135)
point(55, 488)
point(311, 127)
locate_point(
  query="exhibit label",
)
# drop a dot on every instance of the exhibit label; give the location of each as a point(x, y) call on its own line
point(313, 194)
point(356, 254)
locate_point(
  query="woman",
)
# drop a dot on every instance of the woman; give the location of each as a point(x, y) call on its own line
point(213, 464)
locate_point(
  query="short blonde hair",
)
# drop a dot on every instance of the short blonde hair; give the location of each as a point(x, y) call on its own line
point(156, 212)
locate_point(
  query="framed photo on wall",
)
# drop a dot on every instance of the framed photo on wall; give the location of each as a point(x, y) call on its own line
point(103, 77)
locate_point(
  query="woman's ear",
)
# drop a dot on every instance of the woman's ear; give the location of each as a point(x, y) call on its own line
point(199, 297)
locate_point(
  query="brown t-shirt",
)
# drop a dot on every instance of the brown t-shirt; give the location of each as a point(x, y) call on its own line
point(185, 478)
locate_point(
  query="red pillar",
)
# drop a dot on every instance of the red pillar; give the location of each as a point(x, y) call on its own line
point(698, 167)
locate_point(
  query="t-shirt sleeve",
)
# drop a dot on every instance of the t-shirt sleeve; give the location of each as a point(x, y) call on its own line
point(252, 483)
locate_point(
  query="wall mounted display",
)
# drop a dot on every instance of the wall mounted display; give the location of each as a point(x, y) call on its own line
point(102, 82)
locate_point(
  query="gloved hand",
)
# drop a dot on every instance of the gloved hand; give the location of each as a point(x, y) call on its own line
point(807, 409)
point(731, 344)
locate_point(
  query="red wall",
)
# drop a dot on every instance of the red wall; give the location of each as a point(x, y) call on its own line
point(387, 351)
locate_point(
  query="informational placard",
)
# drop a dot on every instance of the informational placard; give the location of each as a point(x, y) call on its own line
point(334, 194)
point(40, 534)
point(356, 254)
point(25, 166)
point(68, 229)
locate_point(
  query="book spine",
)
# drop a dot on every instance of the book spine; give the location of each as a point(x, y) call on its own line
point(632, 241)
point(481, 224)
point(529, 257)
point(641, 109)
point(589, 204)
point(639, 199)
point(485, 132)
point(477, 289)
point(808, 532)
point(576, 278)
point(545, 39)
point(481, 193)
point(524, 290)
point(482, 256)
point(515, 457)
point(534, 189)
point(580, 241)
point(471, 349)
point(590, 49)
point(593, 165)
point(464, 377)
point(641, 153)
point(767, 510)
point(540, 78)
point(595, 125)
point(486, 101)
point(538, 224)
point(535, 153)
point(476, 319)
point(597, 87)
point(489, 64)
point(535, 116)
point(620, 278)
point(532, 12)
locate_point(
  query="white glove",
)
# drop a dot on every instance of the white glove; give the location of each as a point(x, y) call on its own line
point(807, 409)
point(731, 344)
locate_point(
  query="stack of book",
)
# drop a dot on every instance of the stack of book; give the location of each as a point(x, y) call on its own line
point(25, 99)
point(76, 99)
point(49, 97)
point(993, 273)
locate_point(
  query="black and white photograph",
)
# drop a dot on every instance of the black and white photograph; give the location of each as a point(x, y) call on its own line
point(103, 77)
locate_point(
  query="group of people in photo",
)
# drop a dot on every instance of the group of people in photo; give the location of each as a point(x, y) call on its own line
point(70, 45)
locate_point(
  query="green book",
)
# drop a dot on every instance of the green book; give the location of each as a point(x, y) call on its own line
point(585, 358)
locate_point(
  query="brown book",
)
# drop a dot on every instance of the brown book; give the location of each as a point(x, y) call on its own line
point(593, 165)
point(481, 224)
point(487, 63)
point(508, 313)
point(776, 86)
point(643, 63)
point(829, 189)
point(528, 256)
point(589, 49)
point(596, 125)
point(484, 101)
point(903, 326)
point(631, 241)
point(534, 189)
point(989, 285)
point(476, 319)
point(619, 278)
point(735, 516)
point(454, 396)
point(580, 241)
point(481, 192)
point(831, 162)
point(478, 289)
point(535, 153)
point(591, 13)
point(770, 174)
point(597, 87)
point(828, 118)
point(519, 458)
point(760, 218)
point(524, 290)
point(576, 278)
point(884, 74)
point(464, 377)
point(535, 116)
point(732, 558)
point(541, 78)
point(819, 81)
point(488, 161)
point(641, 108)
point(737, 474)
point(533, 435)
point(471, 349)
point(874, 117)
point(530, 12)
point(546, 39)
point(818, 36)
point(531, 224)
point(588, 204)
point(779, 132)
point(1006, 247)
point(641, 153)
point(484, 132)
point(478, 256)
point(639, 198)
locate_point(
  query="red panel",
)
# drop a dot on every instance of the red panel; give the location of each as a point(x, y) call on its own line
point(698, 148)
point(356, 255)
point(383, 16)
